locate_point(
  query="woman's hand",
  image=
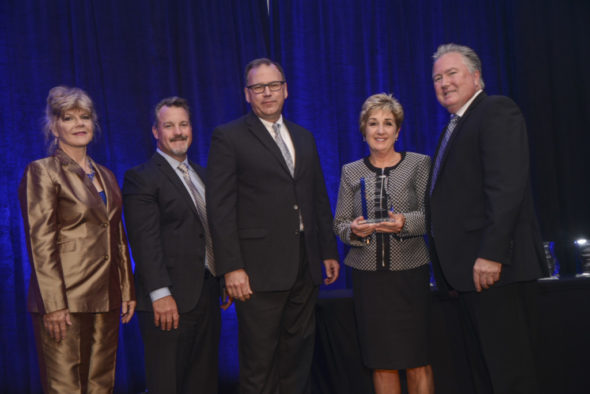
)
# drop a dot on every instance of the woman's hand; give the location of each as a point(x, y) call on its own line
point(127, 311)
point(226, 300)
point(395, 225)
point(362, 230)
point(56, 323)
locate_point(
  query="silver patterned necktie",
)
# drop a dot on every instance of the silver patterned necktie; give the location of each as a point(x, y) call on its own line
point(276, 127)
point(441, 150)
point(202, 211)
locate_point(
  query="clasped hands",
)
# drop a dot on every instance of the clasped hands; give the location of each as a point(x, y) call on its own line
point(363, 230)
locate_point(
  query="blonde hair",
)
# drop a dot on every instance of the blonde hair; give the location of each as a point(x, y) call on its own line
point(59, 100)
point(384, 102)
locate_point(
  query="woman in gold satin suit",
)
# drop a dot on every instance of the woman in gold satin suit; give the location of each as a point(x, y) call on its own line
point(81, 277)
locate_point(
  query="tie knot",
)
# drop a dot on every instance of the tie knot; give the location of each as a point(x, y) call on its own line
point(276, 127)
point(183, 168)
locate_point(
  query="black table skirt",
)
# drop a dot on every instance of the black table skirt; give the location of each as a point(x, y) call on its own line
point(563, 357)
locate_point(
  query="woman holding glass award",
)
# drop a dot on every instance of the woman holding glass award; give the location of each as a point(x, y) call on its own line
point(380, 214)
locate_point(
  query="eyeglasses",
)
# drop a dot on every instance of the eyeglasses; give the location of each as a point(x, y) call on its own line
point(272, 86)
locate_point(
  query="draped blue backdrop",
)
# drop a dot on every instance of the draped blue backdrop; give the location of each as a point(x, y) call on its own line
point(129, 54)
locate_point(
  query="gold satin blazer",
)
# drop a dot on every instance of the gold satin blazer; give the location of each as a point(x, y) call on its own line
point(77, 245)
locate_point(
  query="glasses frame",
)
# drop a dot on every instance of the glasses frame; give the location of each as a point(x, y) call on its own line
point(263, 87)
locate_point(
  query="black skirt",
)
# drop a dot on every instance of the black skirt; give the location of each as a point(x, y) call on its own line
point(392, 314)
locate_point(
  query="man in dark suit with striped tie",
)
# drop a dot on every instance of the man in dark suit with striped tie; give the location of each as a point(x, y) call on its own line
point(271, 225)
point(178, 295)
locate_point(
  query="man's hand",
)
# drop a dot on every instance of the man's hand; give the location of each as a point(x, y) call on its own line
point(332, 271)
point(166, 313)
point(56, 323)
point(485, 273)
point(237, 284)
point(127, 311)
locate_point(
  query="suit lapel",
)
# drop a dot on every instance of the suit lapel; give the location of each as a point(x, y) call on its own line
point(458, 129)
point(298, 145)
point(170, 173)
point(70, 165)
point(198, 169)
point(106, 186)
point(257, 128)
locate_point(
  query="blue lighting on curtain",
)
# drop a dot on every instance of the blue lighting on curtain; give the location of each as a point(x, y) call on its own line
point(129, 54)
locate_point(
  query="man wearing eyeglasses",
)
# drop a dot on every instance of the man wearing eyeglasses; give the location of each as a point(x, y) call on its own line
point(270, 221)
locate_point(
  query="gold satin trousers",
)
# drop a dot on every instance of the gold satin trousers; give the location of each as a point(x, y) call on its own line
point(84, 362)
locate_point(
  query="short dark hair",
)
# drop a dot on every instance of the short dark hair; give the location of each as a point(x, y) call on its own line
point(173, 101)
point(258, 62)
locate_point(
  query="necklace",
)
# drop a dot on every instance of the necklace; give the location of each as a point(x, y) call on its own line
point(92, 173)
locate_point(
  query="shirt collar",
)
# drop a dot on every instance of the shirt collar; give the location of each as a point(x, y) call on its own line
point(268, 124)
point(463, 109)
point(172, 161)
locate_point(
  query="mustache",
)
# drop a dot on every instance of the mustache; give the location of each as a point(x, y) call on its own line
point(179, 138)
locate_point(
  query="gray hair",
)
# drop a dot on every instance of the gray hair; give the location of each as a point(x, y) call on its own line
point(384, 102)
point(469, 56)
point(173, 101)
point(59, 100)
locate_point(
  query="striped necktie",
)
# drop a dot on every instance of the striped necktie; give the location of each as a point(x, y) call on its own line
point(441, 150)
point(202, 211)
point(276, 127)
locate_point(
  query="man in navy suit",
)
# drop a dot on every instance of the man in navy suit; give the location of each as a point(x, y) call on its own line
point(177, 293)
point(271, 224)
point(486, 246)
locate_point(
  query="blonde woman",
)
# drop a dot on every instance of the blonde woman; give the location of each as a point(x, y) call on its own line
point(81, 279)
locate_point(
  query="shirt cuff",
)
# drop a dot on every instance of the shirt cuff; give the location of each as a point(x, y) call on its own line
point(160, 293)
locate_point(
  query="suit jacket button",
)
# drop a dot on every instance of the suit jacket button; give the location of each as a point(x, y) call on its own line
point(295, 207)
point(106, 257)
point(105, 225)
point(296, 232)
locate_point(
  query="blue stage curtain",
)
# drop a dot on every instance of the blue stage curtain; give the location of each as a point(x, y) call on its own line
point(129, 54)
point(338, 55)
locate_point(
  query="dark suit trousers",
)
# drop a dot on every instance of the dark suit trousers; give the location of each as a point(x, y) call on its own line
point(277, 335)
point(184, 360)
point(499, 331)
